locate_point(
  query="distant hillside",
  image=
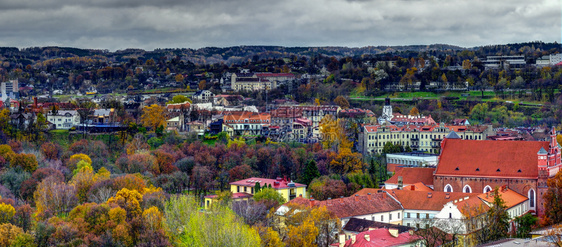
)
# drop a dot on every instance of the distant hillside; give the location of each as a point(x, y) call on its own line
point(238, 54)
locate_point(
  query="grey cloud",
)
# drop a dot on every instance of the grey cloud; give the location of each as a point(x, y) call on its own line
point(157, 24)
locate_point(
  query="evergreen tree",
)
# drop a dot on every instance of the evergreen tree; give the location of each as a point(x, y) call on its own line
point(257, 187)
point(310, 172)
point(498, 218)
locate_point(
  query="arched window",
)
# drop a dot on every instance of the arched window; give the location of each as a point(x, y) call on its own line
point(487, 189)
point(467, 189)
point(531, 198)
point(448, 188)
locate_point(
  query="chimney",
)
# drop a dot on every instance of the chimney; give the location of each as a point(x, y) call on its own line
point(369, 196)
point(329, 201)
point(367, 237)
point(400, 182)
point(356, 197)
point(352, 239)
point(341, 239)
point(412, 187)
point(312, 202)
point(300, 195)
point(429, 195)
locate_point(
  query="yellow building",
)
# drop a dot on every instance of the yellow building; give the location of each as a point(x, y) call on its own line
point(210, 199)
point(288, 189)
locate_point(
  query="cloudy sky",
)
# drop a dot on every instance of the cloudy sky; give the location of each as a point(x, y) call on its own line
point(149, 24)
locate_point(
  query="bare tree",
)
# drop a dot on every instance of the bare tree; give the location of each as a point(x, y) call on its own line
point(252, 212)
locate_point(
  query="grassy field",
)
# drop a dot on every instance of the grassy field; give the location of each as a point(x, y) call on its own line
point(489, 96)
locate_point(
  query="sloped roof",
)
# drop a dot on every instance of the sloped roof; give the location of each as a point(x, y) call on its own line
point(471, 206)
point(489, 158)
point(355, 205)
point(453, 135)
point(510, 197)
point(412, 175)
point(421, 200)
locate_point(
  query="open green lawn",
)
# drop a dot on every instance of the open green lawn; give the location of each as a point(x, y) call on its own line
point(489, 96)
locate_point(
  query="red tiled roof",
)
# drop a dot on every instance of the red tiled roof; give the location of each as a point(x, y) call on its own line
point(471, 206)
point(252, 117)
point(355, 205)
point(282, 184)
point(381, 238)
point(489, 158)
point(510, 197)
point(275, 75)
point(412, 175)
point(420, 200)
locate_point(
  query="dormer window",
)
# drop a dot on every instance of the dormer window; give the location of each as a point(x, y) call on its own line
point(498, 170)
point(477, 169)
point(456, 169)
point(519, 170)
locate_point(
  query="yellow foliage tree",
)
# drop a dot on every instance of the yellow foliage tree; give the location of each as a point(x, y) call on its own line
point(347, 162)
point(179, 78)
point(414, 111)
point(128, 200)
point(78, 157)
point(269, 237)
point(117, 215)
point(153, 116)
point(153, 218)
point(7, 212)
point(303, 235)
point(333, 133)
point(8, 233)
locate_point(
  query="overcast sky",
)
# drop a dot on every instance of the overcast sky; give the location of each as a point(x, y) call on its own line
point(149, 24)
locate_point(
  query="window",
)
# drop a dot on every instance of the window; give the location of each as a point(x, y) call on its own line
point(252, 190)
point(427, 216)
point(390, 216)
point(450, 215)
point(531, 198)
point(418, 215)
point(448, 188)
point(487, 189)
point(398, 215)
point(467, 189)
point(409, 216)
point(244, 188)
point(382, 217)
point(237, 188)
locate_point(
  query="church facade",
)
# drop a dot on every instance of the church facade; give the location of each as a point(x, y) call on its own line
point(474, 166)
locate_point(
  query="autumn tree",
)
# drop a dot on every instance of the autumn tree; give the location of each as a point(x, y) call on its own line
point(153, 116)
point(333, 133)
point(129, 200)
point(552, 201)
point(347, 162)
point(342, 102)
point(54, 196)
point(26, 161)
point(414, 111)
point(7, 212)
point(179, 78)
point(302, 235)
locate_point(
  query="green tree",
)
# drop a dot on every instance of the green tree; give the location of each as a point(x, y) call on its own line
point(179, 99)
point(310, 172)
point(497, 218)
point(217, 227)
point(524, 224)
point(269, 194)
point(257, 187)
point(479, 111)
